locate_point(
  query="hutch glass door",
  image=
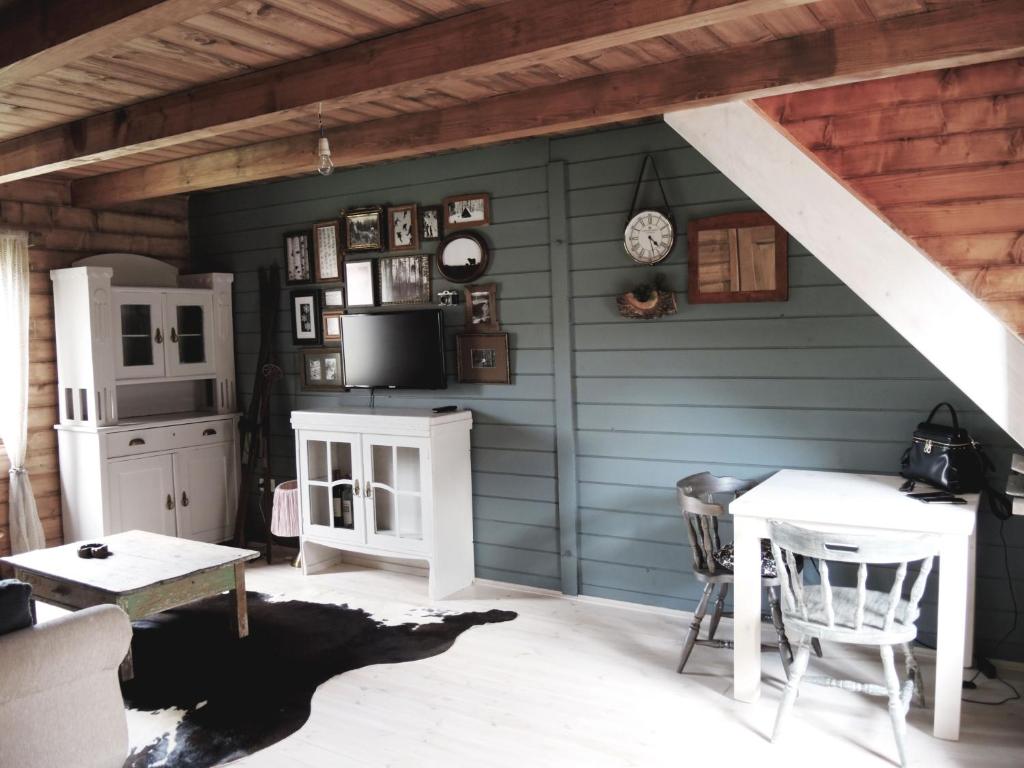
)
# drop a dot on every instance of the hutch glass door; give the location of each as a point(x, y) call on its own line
point(333, 505)
point(138, 317)
point(189, 331)
point(395, 475)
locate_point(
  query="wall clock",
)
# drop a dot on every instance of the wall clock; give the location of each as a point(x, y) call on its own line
point(650, 232)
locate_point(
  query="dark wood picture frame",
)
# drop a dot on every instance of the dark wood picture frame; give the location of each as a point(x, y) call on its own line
point(298, 268)
point(737, 223)
point(331, 336)
point(352, 217)
point(453, 220)
point(317, 365)
point(480, 318)
point(334, 291)
point(483, 358)
point(394, 287)
point(327, 252)
point(456, 273)
point(309, 327)
point(394, 231)
point(426, 213)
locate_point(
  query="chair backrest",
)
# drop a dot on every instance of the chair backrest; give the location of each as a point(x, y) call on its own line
point(863, 549)
point(704, 498)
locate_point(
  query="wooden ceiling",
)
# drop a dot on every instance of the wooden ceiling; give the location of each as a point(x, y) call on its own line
point(136, 98)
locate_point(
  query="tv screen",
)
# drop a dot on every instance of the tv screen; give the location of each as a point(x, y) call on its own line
point(394, 349)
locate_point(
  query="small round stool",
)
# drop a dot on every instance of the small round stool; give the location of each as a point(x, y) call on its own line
point(285, 520)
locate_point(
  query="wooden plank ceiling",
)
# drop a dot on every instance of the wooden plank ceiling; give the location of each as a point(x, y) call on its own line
point(173, 84)
point(941, 156)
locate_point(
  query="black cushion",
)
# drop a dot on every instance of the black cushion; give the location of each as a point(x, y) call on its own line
point(724, 559)
point(15, 608)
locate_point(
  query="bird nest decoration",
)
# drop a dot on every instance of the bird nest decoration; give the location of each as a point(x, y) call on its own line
point(648, 301)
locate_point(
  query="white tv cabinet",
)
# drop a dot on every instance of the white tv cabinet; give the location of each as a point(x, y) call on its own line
point(388, 483)
point(148, 433)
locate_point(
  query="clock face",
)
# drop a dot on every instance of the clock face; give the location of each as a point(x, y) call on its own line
point(649, 237)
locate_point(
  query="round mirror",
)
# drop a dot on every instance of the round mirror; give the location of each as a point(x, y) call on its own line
point(462, 257)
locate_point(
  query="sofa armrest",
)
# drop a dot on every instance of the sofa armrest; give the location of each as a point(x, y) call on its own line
point(56, 652)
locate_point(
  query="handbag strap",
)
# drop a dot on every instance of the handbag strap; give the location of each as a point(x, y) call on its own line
point(952, 412)
point(640, 178)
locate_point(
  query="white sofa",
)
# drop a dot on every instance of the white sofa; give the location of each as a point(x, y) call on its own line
point(60, 700)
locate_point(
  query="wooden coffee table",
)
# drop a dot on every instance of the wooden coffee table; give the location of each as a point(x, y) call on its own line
point(146, 573)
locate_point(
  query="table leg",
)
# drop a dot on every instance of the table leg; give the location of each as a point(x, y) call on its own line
point(241, 618)
point(746, 658)
point(972, 568)
point(950, 633)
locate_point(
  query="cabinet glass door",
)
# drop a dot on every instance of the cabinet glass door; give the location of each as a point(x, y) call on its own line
point(190, 329)
point(138, 316)
point(395, 492)
point(332, 500)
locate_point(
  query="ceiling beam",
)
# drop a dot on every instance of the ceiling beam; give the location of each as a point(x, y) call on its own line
point(482, 43)
point(945, 38)
point(38, 36)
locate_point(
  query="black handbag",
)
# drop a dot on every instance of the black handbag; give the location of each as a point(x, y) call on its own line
point(946, 457)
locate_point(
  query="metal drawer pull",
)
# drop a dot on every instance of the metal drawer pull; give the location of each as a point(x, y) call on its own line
point(170, 502)
point(136, 441)
point(369, 491)
point(184, 499)
point(208, 432)
point(159, 337)
point(174, 336)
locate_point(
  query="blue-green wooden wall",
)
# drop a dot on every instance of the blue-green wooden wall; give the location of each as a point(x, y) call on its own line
point(817, 382)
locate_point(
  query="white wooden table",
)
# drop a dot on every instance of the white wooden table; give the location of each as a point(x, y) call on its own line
point(862, 502)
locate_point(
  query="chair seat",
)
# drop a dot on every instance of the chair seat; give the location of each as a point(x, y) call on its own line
point(725, 557)
point(844, 605)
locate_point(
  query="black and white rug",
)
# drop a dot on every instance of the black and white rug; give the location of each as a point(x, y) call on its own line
point(215, 698)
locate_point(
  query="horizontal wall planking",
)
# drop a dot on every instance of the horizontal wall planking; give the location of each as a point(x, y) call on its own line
point(683, 192)
point(457, 168)
point(671, 554)
point(820, 423)
point(659, 528)
point(792, 333)
point(882, 394)
point(529, 463)
point(514, 559)
point(803, 271)
point(796, 363)
point(818, 301)
point(673, 163)
point(803, 453)
point(524, 361)
point(514, 486)
point(610, 254)
point(500, 185)
point(680, 584)
point(518, 535)
point(518, 577)
point(501, 510)
point(610, 226)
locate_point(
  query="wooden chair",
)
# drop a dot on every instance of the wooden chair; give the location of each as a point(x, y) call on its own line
point(704, 499)
point(855, 615)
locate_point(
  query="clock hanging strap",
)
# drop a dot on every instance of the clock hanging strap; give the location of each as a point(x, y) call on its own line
point(639, 180)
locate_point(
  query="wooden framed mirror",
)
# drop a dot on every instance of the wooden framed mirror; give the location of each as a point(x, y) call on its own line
point(737, 257)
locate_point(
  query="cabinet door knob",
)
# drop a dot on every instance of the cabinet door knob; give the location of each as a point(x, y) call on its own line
point(184, 499)
point(158, 337)
point(174, 336)
point(208, 432)
point(355, 488)
point(170, 502)
point(136, 441)
point(369, 491)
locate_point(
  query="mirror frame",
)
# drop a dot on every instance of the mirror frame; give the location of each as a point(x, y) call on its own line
point(475, 274)
point(736, 221)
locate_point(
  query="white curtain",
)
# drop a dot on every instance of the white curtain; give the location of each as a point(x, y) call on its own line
point(25, 529)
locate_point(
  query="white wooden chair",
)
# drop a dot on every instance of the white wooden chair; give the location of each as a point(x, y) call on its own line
point(856, 615)
point(704, 499)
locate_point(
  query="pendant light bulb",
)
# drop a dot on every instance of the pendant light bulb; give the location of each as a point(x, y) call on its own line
point(324, 164)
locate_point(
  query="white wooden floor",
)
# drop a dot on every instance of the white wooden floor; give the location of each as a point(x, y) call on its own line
point(573, 683)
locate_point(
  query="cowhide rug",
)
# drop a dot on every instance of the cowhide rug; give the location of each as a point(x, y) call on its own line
point(215, 698)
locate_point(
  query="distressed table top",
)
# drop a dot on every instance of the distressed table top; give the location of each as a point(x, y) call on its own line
point(139, 560)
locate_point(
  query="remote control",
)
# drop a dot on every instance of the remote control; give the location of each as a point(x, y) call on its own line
point(446, 408)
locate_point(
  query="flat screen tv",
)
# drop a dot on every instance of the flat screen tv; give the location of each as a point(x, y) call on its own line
point(394, 349)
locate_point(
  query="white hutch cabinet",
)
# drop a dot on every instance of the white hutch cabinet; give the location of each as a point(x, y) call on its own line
point(391, 483)
point(148, 433)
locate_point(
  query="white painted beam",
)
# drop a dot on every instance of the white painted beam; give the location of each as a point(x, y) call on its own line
point(930, 309)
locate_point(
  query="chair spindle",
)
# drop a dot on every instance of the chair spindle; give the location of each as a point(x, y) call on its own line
point(862, 595)
point(826, 594)
point(796, 577)
point(894, 595)
point(917, 591)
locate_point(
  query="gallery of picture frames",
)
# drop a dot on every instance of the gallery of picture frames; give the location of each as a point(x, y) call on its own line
point(375, 258)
